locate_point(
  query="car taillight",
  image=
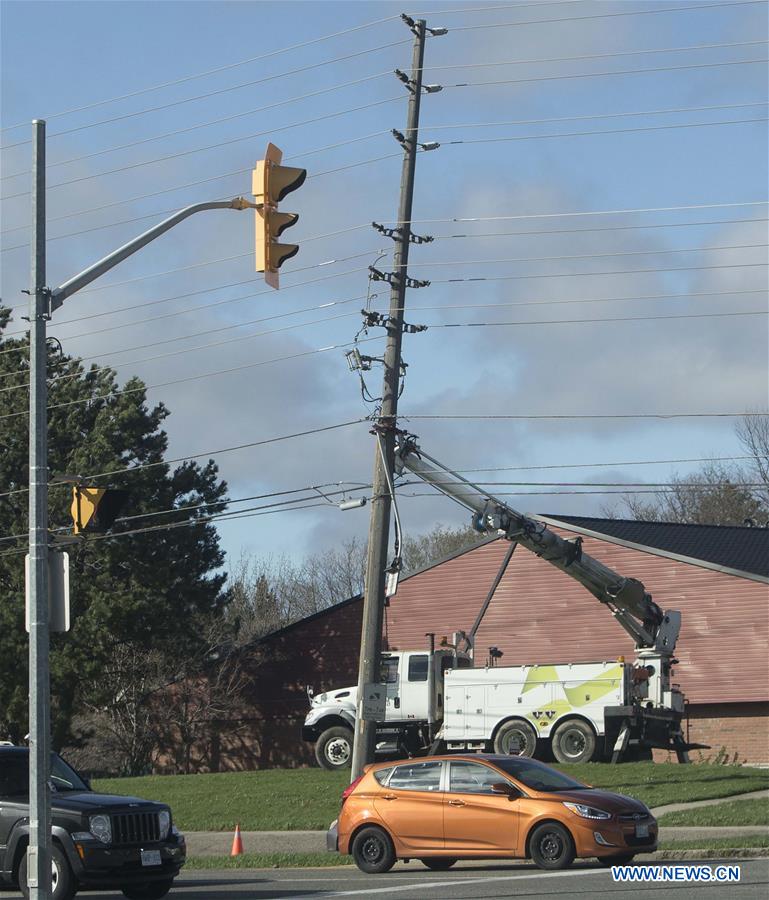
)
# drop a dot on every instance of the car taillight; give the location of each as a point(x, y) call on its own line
point(350, 788)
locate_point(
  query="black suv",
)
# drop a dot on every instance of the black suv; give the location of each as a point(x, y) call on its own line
point(99, 840)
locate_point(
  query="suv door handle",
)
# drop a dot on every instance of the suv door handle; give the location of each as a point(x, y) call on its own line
point(456, 802)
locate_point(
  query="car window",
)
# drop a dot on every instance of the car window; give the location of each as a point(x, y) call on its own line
point(390, 670)
point(14, 776)
point(381, 774)
point(418, 668)
point(537, 775)
point(416, 777)
point(472, 778)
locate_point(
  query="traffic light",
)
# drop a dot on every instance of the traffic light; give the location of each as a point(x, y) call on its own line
point(95, 509)
point(271, 183)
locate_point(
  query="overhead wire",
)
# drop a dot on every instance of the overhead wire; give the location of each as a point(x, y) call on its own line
point(229, 66)
point(180, 153)
point(550, 416)
point(613, 15)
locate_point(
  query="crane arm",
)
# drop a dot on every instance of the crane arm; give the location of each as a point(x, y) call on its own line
point(627, 598)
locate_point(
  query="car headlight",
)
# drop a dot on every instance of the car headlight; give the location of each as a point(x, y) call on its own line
point(587, 812)
point(164, 823)
point(101, 828)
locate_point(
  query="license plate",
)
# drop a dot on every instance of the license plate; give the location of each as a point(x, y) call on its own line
point(151, 858)
point(642, 831)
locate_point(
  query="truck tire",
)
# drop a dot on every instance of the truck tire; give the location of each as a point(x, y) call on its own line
point(333, 749)
point(574, 742)
point(64, 886)
point(514, 735)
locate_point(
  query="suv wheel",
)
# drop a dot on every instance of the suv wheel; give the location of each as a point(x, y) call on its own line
point(373, 851)
point(551, 846)
point(63, 885)
point(151, 890)
point(333, 749)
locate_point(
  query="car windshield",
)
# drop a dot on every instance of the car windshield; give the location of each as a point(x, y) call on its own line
point(538, 776)
point(14, 776)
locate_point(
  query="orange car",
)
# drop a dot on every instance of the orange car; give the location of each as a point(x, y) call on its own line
point(443, 808)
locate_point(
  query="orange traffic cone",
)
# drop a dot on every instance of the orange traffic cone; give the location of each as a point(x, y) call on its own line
point(237, 843)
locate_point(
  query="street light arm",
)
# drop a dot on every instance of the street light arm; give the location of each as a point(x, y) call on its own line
point(60, 294)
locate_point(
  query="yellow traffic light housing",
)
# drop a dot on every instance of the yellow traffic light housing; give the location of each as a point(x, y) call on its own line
point(95, 509)
point(271, 183)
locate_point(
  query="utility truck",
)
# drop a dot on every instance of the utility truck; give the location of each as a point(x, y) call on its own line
point(441, 699)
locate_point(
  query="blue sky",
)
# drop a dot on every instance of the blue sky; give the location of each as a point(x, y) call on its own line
point(88, 52)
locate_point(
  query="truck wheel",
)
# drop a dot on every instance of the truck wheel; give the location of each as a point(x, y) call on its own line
point(573, 742)
point(63, 882)
point(150, 890)
point(333, 749)
point(516, 737)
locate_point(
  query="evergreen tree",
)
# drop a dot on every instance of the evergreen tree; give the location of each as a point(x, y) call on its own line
point(147, 590)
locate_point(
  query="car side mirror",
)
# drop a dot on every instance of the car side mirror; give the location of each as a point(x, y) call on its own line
point(504, 787)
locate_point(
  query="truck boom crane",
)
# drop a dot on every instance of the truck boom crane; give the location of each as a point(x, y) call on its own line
point(627, 598)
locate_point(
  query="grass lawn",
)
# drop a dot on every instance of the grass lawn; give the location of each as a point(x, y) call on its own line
point(739, 812)
point(308, 799)
point(302, 860)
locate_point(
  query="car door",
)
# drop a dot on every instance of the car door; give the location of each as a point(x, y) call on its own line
point(411, 805)
point(475, 818)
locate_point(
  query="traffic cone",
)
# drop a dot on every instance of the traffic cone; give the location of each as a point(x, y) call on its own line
point(237, 843)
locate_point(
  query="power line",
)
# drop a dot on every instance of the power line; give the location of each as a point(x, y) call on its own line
point(207, 453)
point(146, 387)
point(168, 134)
point(216, 146)
point(643, 462)
point(484, 262)
point(540, 137)
point(582, 57)
point(213, 71)
point(490, 417)
point(586, 274)
point(722, 315)
point(637, 12)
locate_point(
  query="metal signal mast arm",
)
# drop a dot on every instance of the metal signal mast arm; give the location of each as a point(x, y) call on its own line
point(627, 598)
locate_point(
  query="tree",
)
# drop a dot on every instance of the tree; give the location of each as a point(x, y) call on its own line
point(716, 494)
point(140, 591)
point(270, 593)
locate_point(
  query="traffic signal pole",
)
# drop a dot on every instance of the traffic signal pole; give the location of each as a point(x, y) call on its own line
point(39, 851)
point(384, 428)
point(42, 302)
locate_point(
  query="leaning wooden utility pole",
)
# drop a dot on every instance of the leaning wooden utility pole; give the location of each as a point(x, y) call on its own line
point(385, 426)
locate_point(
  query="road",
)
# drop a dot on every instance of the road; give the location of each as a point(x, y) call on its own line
point(466, 882)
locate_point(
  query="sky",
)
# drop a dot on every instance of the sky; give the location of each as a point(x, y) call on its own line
point(561, 143)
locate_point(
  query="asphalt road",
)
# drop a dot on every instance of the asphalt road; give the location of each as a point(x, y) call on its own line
point(461, 883)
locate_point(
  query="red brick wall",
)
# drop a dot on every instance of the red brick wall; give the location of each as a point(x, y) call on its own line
point(736, 732)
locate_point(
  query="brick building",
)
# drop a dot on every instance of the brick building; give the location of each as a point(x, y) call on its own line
point(717, 576)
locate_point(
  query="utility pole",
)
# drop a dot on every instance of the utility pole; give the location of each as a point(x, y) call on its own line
point(385, 426)
point(39, 851)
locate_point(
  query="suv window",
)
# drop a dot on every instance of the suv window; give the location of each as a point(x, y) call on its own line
point(418, 668)
point(14, 776)
point(389, 670)
point(416, 777)
point(472, 778)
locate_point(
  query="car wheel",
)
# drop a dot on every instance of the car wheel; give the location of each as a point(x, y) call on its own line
point(151, 890)
point(373, 851)
point(623, 859)
point(551, 846)
point(438, 863)
point(573, 742)
point(63, 884)
point(516, 737)
point(333, 749)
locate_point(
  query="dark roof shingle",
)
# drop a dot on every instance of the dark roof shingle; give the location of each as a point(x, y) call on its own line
point(735, 547)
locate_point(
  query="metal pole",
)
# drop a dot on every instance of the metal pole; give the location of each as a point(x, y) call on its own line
point(379, 526)
point(39, 852)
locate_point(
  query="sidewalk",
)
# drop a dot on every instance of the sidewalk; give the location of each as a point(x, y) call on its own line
point(217, 843)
